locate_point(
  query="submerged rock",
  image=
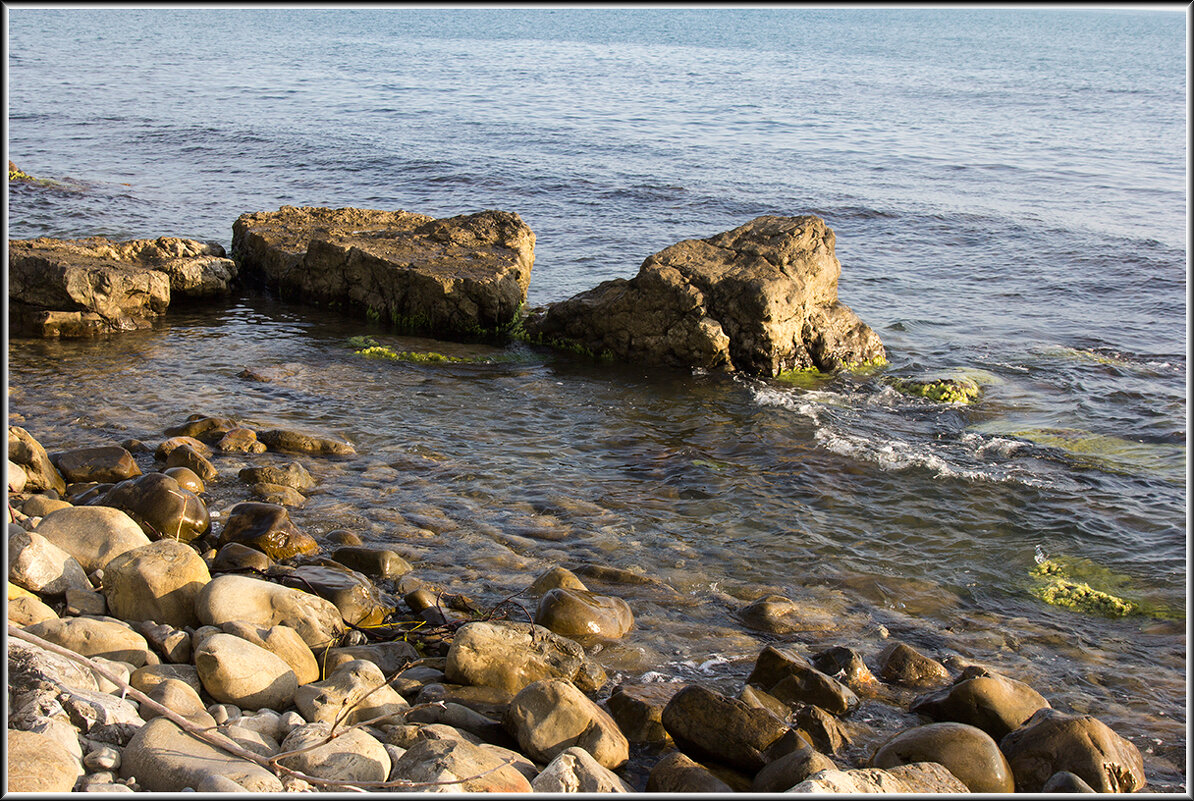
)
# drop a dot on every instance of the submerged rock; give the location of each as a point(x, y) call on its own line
point(760, 299)
point(465, 275)
point(87, 287)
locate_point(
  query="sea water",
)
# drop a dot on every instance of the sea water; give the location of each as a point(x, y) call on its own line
point(1008, 192)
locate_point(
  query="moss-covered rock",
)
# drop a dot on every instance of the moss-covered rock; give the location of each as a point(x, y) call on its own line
point(940, 390)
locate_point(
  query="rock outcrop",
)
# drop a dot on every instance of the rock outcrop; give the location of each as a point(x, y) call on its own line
point(459, 276)
point(760, 299)
point(93, 286)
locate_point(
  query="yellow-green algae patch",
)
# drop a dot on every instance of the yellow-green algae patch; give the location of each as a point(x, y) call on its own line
point(1101, 451)
point(1065, 582)
point(944, 390)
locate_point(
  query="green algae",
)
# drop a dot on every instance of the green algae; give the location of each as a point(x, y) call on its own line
point(1085, 586)
point(958, 390)
point(1101, 451)
point(804, 377)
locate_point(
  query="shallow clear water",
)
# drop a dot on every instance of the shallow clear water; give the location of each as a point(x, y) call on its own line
point(1008, 194)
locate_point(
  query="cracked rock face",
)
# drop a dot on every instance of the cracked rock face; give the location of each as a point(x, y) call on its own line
point(760, 299)
point(93, 286)
point(458, 276)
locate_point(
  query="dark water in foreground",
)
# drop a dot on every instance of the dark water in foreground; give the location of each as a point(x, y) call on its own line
point(1008, 193)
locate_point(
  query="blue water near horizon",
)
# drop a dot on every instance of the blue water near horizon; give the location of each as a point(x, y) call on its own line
point(1008, 190)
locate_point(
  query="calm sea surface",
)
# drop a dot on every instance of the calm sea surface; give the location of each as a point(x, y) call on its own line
point(1008, 190)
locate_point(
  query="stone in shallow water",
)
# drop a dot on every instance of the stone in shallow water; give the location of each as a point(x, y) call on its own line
point(268, 528)
point(996, 704)
point(103, 464)
point(707, 724)
point(1052, 741)
point(967, 752)
point(903, 664)
point(583, 615)
point(161, 507)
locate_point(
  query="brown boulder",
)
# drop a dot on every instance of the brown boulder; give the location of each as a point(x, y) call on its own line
point(760, 299)
point(709, 725)
point(160, 506)
point(40, 472)
point(902, 664)
point(268, 528)
point(1052, 741)
point(103, 464)
point(583, 615)
point(996, 704)
point(464, 275)
point(967, 752)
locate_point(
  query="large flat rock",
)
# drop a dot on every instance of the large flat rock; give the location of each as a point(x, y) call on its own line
point(87, 287)
point(459, 276)
point(760, 299)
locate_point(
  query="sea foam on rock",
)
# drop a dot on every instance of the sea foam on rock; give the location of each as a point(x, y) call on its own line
point(463, 275)
point(760, 299)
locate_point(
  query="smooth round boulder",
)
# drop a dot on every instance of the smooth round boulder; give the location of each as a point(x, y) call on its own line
point(358, 599)
point(551, 715)
point(167, 447)
point(776, 614)
point(353, 756)
point(1052, 741)
point(235, 557)
point(967, 752)
point(790, 770)
point(202, 427)
point(159, 581)
point(556, 577)
point(165, 759)
point(103, 464)
point(268, 528)
point(38, 764)
point(181, 698)
point(278, 494)
point(235, 671)
point(996, 704)
point(582, 615)
point(510, 656)
point(677, 773)
point(359, 686)
point(16, 478)
point(96, 637)
point(40, 566)
point(94, 535)
point(27, 610)
point(186, 456)
point(187, 478)
point(378, 563)
point(42, 505)
point(281, 641)
point(161, 507)
point(230, 597)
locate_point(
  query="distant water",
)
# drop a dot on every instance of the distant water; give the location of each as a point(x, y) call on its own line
point(1008, 190)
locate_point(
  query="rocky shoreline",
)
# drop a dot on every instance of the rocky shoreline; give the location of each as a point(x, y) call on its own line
point(153, 647)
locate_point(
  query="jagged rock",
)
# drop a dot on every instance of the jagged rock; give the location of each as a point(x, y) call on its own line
point(967, 752)
point(85, 287)
point(792, 679)
point(511, 655)
point(846, 665)
point(574, 770)
point(638, 710)
point(40, 472)
point(760, 299)
point(1052, 741)
point(158, 582)
point(458, 276)
point(164, 758)
point(94, 535)
point(229, 597)
point(268, 528)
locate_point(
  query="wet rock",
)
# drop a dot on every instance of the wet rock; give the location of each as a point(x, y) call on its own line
point(204, 428)
point(235, 557)
point(40, 472)
point(760, 299)
point(161, 507)
point(278, 495)
point(297, 442)
point(377, 563)
point(575, 770)
point(556, 577)
point(168, 446)
point(40, 566)
point(38, 764)
point(240, 440)
point(583, 615)
point(776, 614)
point(236, 671)
point(293, 475)
point(158, 581)
point(708, 725)
point(103, 464)
point(822, 729)
point(846, 665)
point(996, 704)
point(187, 478)
point(902, 664)
point(465, 766)
point(923, 777)
point(638, 710)
point(512, 655)
point(355, 691)
point(188, 457)
point(268, 528)
point(390, 657)
point(353, 756)
point(760, 699)
point(792, 679)
point(230, 597)
point(358, 599)
point(790, 770)
point(677, 773)
point(94, 535)
point(967, 752)
point(1052, 741)
point(284, 643)
point(459, 276)
point(551, 715)
point(1065, 782)
point(163, 758)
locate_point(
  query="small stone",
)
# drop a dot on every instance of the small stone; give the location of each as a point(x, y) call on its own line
point(677, 773)
point(902, 664)
point(187, 478)
point(574, 770)
point(102, 464)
